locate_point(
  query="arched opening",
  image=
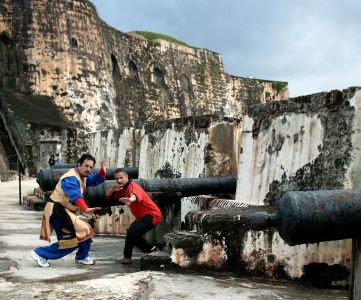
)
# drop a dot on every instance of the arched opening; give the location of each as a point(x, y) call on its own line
point(133, 70)
point(74, 43)
point(115, 66)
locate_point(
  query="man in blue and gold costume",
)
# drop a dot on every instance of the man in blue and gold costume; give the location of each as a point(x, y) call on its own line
point(59, 215)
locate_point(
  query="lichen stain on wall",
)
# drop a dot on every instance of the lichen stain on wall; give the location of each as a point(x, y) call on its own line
point(273, 251)
point(284, 145)
point(172, 148)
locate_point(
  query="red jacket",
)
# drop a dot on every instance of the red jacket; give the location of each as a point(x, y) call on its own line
point(144, 205)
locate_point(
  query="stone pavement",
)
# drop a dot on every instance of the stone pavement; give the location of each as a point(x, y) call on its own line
point(21, 278)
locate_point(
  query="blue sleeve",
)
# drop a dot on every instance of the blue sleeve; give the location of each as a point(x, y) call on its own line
point(94, 179)
point(71, 187)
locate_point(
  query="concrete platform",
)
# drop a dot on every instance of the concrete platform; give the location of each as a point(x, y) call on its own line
point(21, 278)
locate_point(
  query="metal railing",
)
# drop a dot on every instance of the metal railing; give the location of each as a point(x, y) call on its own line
point(9, 121)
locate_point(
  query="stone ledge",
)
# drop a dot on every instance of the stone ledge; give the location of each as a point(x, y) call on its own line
point(41, 194)
point(158, 261)
point(33, 202)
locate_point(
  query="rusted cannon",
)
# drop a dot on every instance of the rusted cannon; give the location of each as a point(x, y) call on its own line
point(313, 216)
point(47, 179)
point(185, 186)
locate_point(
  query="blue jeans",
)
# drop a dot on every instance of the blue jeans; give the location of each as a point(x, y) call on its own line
point(53, 251)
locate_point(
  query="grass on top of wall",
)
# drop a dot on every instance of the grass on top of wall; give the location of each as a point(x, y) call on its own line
point(153, 36)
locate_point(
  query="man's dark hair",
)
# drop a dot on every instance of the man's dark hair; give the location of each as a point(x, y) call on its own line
point(121, 170)
point(84, 157)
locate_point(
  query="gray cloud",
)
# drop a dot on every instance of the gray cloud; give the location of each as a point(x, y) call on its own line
point(313, 44)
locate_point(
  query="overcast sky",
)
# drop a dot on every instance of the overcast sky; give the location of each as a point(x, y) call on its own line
point(315, 45)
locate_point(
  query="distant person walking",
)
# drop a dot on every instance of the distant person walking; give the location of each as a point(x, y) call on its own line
point(59, 214)
point(52, 161)
point(145, 211)
point(57, 159)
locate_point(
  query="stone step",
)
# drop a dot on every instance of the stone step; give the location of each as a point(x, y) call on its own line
point(156, 261)
point(194, 251)
point(214, 241)
point(190, 241)
point(41, 194)
point(33, 202)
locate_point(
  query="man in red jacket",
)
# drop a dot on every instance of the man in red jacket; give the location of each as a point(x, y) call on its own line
point(145, 211)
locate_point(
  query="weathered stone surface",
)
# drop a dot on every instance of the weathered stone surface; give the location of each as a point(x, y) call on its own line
point(159, 260)
point(103, 79)
point(302, 144)
point(260, 253)
point(33, 202)
point(307, 143)
point(186, 147)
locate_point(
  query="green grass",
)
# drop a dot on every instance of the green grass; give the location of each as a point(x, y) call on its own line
point(279, 85)
point(153, 36)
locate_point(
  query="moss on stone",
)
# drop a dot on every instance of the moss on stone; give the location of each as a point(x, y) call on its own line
point(279, 85)
point(153, 36)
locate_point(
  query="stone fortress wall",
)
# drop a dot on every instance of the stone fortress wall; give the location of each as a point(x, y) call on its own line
point(171, 109)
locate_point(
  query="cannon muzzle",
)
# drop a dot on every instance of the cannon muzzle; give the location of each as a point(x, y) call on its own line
point(313, 216)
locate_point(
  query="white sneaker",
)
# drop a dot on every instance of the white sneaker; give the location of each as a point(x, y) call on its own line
point(86, 261)
point(42, 262)
point(154, 248)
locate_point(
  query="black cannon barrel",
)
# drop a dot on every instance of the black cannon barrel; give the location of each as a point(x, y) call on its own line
point(47, 179)
point(186, 186)
point(314, 216)
point(64, 166)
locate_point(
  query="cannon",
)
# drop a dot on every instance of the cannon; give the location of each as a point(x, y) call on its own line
point(47, 179)
point(313, 216)
point(64, 166)
point(185, 186)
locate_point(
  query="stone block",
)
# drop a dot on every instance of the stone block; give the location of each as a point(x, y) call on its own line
point(33, 202)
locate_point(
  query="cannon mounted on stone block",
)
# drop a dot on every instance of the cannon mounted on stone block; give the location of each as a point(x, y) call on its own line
point(313, 216)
